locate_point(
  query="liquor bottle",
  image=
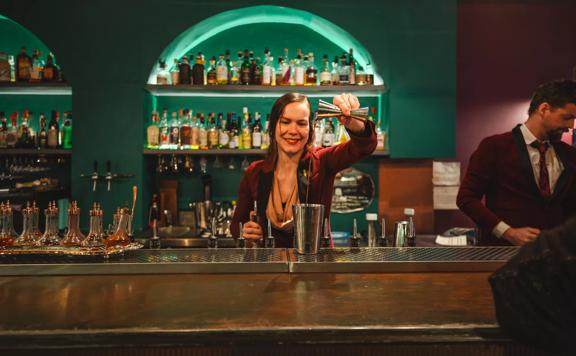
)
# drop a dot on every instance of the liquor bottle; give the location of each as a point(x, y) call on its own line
point(344, 70)
point(256, 132)
point(184, 71)
point(235, 70)
point(380, 134)
point(360, 76)
point(164, 130)
point(369, 74)
point(325, 75)
point(299, 71)
point(12, 63)
point(253, 69)
point(197, 71)
point(287, 77)
point(23, 66)
point(203, 134)
point(51, 71)
point(265, 135)
point(12, 131)
point(279, 72)
point(37, 67)
point(5, 70)
point(245, 69)
point(311, 71)
point(186, 130)
point(195, 132)
point(67, 130)
point(318, 131)
point(42, 134)
point(24, 135)
point(175, 130)
point(162, 74)
point(53, 130)
point(221, 71)
point(153, 132)
point(3, 129)
point(234, 133)
point(211, 76)
point(246, 130)
point(212, 132)
point(224, 133)
point(342, 135)
point(328, 134)
point(175, 72)
point(267, 68)
point(335, 72)
point(351, 69)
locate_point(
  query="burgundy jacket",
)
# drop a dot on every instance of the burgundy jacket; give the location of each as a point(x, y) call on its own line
point(326, 163)
point(500, 171)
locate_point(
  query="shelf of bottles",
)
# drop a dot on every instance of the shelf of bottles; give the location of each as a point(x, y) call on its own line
point(26, 75)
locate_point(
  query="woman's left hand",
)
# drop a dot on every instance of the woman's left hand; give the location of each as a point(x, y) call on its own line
point(347, 102)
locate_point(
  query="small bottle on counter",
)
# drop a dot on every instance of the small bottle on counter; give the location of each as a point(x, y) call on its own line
point(410, 229)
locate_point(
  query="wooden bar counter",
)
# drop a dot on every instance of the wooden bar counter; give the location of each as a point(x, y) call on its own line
point(431, 313)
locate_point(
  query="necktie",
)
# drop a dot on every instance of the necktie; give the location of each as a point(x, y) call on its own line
point(544, 180)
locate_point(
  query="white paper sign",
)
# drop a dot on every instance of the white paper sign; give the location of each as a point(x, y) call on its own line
point(445, 198)
point(446, 173)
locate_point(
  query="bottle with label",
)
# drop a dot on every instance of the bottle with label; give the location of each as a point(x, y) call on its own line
point(37, 67)
point(213, 138)
point(246, 130)
point(3, 129)
point(12, 131)
point(184, 71)
point(351, 69)
point(153, 132)
point(287, 77)
point(328, 134)
point(299, 71)
point(164, 130)
point(5, 70)
point(186, 130)
point(42, 133)
point(23, 66)
point(198, 70)
point(335, 72)
point(221, 71)
point(224, 133)
point(53, 130)
point(211, 77)
point(234, 132)
point(344, 70)
point(175, 72)
point(203, 133)
point(267, 68)
point(311, 71)
point(195, 132)
point(245, 69)
point(256, 71)
point(67, 131)
point(174, 137)
point(51, 71)
point(319, 127)
point(256, 132)
point(265, 134)
point(235, 70)
point(325, 75)
point(279, 73)
point(162, 74)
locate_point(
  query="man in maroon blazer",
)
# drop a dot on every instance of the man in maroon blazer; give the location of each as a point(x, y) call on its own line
point(522, 181)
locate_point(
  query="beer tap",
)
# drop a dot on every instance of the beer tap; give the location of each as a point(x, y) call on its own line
point(108, 175)
point(355, 238)
point(241, 239)
point(383, 242)
point(213, 238)
point(326, 236)
point(94, 176)
point(269, 240)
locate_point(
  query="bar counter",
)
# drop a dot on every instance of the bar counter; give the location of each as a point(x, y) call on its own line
point(444, 313)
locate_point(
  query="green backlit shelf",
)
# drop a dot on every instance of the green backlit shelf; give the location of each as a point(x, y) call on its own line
point(35, 89)
point(33, 151)
point(228, 152)
point(263, 90)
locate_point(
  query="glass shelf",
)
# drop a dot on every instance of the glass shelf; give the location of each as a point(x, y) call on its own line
point(230, 152)
point(34, 151)
point(263, 91)
point(22, 88)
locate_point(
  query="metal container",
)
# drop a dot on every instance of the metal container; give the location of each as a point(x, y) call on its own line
point(400, 233)
point(307, 227)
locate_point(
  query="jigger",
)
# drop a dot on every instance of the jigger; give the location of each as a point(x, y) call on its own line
point(328, 110)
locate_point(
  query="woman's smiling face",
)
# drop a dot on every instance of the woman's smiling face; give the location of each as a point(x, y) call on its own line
point(293, 128)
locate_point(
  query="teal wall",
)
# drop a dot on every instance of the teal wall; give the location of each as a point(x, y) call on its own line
point(107, 49)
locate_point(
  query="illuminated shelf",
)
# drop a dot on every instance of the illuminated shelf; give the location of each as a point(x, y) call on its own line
point(229, 152)
point(33, 151)
point(22, 88)
point(263, 91)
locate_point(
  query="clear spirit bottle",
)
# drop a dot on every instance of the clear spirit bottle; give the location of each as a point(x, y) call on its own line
point(221, 71)
point(325, 75)
point(153, 132)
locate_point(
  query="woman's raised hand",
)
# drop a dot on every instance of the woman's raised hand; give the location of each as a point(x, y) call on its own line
point(251, 230)
point(347, 102)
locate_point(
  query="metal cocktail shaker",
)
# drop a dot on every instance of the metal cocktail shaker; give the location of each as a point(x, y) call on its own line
point(307, 227)
point(400, 234)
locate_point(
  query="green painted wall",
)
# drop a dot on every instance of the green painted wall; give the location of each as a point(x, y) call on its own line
point(107, 49)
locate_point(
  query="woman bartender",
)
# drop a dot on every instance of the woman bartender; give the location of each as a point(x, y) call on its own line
point(281, 179)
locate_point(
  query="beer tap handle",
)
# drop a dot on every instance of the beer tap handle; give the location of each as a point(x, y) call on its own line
point(94, 176)
point(269, 241)
point(108, 174)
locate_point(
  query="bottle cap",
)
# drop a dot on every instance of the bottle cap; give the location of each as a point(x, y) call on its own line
point(409, 211)
point(371, 217)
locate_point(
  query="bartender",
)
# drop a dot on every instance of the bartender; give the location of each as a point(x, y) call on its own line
point(293, 171)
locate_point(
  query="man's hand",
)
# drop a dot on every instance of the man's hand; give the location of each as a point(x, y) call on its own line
point(520, 236)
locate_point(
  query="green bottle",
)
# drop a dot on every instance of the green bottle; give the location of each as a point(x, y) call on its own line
point(67, 131)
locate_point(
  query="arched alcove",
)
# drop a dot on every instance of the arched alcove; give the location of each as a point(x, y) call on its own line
point(262, 26)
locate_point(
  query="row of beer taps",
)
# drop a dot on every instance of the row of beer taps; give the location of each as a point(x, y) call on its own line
point(108, 178)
